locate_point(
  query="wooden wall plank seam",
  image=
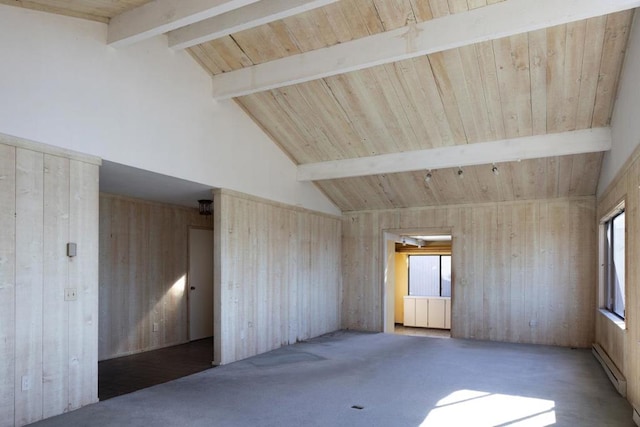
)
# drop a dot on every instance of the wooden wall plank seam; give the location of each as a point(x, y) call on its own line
point(29, 286)
point(56, 272)
point(83, 276)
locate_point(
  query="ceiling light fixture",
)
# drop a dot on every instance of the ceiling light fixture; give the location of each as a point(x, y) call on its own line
point(495, 170)
point(460, 172)
point(428, 177)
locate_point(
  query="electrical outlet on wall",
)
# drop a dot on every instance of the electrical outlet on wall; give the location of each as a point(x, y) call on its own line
point(26, 382)
point(156, 326)
point(70, 294)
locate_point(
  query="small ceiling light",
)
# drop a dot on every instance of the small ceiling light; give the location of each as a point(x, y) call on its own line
point(404, 242)
point(428, 177)
point(205, 207)
point(495, 170)
point(460, 173)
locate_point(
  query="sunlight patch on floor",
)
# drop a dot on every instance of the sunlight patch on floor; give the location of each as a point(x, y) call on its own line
point(482, 409)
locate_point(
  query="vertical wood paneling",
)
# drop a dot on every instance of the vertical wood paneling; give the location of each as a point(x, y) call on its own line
point(516, 271)
point(105, 272)
point(546, 264)
point(277, 275)
point(56, 271)
point(154, 275)
point(45, 204)
point(29, 285)
point(521, 269)
point(7, 282)
point(462, 277)
point(219, 241)
point(143, 267)
point(362, 235)
point(83, 275)
point(620, 343)
point(633, 279)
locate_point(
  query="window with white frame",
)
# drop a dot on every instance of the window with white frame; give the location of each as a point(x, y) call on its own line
point(614, 253)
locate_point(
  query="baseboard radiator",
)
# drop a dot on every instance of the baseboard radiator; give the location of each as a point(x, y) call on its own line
point(614, 374)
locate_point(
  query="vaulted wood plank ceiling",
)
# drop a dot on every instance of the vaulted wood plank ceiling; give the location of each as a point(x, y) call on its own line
point(552, 80)
point(549, 81)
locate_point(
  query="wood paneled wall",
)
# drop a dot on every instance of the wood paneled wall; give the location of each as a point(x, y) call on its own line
point(143, 267)
point(522, 271)
point(48, 346)
point(621, 344)
point(277, 274)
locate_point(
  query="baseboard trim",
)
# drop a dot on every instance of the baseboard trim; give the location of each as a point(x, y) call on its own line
point(617, 378)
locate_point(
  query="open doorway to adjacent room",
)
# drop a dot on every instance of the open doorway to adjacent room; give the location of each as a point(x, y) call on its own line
point(418, 283)
point(156, 279)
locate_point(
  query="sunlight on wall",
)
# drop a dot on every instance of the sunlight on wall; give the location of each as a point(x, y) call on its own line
point(477, 408)
point(160, 314)
point(178, 288)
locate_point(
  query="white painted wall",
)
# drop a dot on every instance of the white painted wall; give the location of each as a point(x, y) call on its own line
point(625, 123)
point(144, 106)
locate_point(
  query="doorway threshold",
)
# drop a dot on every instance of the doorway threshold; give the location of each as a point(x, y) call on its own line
point(422, 332)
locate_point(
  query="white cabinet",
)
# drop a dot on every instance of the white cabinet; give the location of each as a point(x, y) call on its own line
point(447, 313)
point(422, 312)
point(427, 312)
point(409, 311)
point(436, 313)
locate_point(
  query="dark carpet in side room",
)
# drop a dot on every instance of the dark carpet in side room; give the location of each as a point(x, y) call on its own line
point(130, 373)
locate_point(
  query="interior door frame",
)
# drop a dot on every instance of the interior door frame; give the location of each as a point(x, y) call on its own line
point(188, 281)
point(389, 238)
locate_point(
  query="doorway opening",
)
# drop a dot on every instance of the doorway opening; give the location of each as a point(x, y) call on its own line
point(153, 251)
point(419, 283)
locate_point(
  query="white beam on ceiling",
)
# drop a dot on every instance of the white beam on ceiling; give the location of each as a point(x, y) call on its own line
point(507, 150)
point(161, 16)
point(237, 20)
point(486, 23)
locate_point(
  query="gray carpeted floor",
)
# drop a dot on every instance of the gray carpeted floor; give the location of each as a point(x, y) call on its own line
point(354, 379)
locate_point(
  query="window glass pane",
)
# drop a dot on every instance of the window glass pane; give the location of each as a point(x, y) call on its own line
point(618, 265)
point(424, 275)
point(446, 276)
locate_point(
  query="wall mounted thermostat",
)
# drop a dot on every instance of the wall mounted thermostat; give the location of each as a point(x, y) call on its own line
point(72, 250)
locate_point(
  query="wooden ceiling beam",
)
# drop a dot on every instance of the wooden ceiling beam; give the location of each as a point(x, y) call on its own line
point(484, 153)
point(160, 16)
point(241, 19)
point(486, 23)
